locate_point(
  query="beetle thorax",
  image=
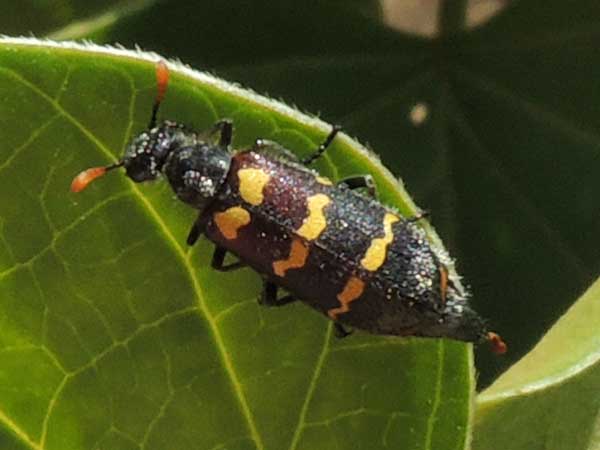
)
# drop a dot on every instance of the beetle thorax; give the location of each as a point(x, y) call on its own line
point(196, 171)
point(194, 167)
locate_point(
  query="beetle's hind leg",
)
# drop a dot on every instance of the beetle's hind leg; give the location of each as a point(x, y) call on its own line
point(268, 296)
point(218, 260)
point(323, 146)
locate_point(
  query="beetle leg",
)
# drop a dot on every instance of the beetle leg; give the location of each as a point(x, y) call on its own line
point(323, 146)
point(225, 129)
point(340, 331)
point(361, 181)
point(197, 229)
point(219, 258)
point(268, 296)
point(419, 216)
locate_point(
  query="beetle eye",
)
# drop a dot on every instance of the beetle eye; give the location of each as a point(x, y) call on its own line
point(141, 168)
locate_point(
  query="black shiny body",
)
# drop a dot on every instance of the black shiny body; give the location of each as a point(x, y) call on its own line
point(340, 251)
point(402, 297)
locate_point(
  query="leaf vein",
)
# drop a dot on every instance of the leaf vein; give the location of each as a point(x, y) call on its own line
point(311, 388)
point(437, 398)
point(18, 432)
point(536, 111)
point(554, 237)
point(30, 140)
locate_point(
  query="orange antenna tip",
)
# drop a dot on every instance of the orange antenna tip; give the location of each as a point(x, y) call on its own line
point(81, 181)
point(499, 347)
point(162, 80)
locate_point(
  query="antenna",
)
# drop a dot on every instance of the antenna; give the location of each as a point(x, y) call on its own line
point(162, 81)
point(81, 181)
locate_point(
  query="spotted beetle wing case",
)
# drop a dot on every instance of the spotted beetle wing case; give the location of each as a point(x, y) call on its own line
point(339, 251)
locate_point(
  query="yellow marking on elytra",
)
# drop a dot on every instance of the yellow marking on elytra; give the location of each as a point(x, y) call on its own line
point(296, 259)
point(352, 290)
point(375, 255)
point(323, 180)
point(252, 183)
point(231, 220)
point(314, 224)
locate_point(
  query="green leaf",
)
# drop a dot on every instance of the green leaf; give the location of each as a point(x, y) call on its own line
point(115, 335)
point(551, 398)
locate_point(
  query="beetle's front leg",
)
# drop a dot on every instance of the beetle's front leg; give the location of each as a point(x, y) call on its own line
point(268, 297)
point(225, 129)
point(340, 331)
point(218, 260)
point(198, 228)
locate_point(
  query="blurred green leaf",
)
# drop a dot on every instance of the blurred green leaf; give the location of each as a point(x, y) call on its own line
point(551, 398)
point(93, 25)
point(115, 335)
point(24, 17)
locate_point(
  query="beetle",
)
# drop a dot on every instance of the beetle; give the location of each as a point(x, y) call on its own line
point(327, 244)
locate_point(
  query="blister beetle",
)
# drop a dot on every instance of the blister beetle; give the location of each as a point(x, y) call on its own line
point(327, 244)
